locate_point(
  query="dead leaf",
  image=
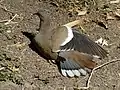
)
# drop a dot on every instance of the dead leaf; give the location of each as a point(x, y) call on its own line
point(102, 42)
point(110, 17)
point(81, 12)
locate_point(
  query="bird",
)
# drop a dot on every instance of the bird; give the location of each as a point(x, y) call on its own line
point(75, 51)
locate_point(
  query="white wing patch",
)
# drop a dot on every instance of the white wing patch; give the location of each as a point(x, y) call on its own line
point(63, 72)
point(76, 73)
point(70, 36)
point(83, 72)
point(72, 73)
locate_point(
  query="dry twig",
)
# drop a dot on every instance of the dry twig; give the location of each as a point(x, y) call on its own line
point(2, 68)
point(9, 21)
point(2, 21)
point(6, 22)
point(96, 68)
point(17, 45)
point(114, 1)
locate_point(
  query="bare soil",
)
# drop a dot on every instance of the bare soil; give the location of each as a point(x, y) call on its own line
point(21, 68)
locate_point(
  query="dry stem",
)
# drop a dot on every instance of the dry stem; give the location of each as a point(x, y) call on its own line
point(96, 68)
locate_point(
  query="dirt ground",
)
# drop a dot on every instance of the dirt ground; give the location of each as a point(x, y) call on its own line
point(21, 68)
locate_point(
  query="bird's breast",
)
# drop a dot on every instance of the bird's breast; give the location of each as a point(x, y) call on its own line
point(43, 43)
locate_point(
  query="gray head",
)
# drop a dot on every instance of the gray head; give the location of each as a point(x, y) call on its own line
point(44, 19)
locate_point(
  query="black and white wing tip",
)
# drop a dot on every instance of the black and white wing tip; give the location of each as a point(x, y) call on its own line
point(73, 73)
point(71, 69)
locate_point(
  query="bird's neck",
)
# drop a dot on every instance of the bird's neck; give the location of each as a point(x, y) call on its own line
point(45, 26)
